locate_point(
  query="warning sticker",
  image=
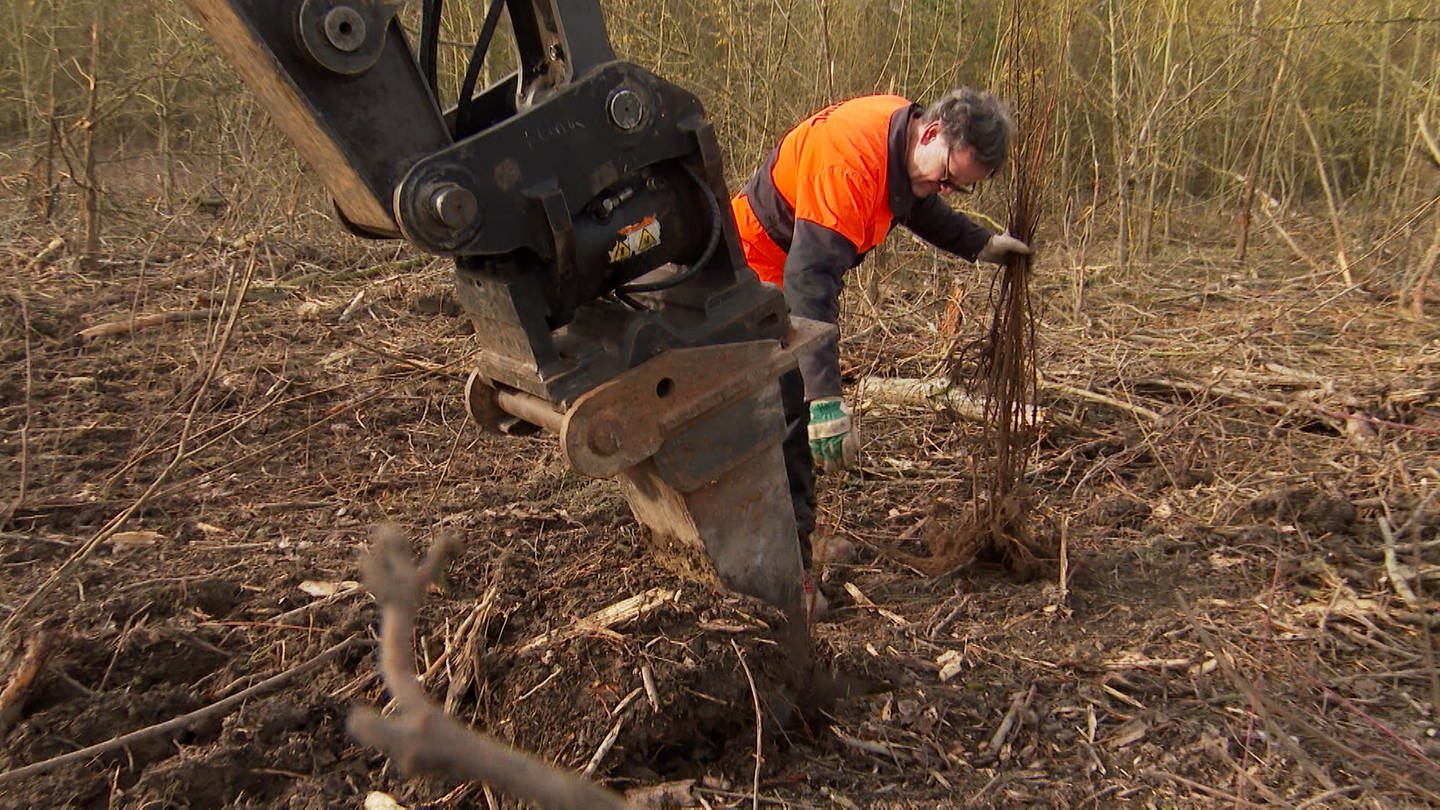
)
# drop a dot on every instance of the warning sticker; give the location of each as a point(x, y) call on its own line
point(636, 239)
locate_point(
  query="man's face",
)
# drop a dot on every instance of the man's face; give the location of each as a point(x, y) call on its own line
point(940, 167)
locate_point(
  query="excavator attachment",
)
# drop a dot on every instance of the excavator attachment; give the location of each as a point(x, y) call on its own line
point(583, 201)
point(694, 436)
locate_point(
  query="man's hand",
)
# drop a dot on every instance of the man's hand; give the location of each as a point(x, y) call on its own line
point(1000, 246)
point(833, 442)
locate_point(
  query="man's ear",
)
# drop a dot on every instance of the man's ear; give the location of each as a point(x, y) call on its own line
point(930, 132)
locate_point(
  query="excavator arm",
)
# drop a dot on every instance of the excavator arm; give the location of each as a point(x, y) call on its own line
point(583, 201)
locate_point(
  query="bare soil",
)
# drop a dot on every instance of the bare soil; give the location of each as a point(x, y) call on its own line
point(1226, 632)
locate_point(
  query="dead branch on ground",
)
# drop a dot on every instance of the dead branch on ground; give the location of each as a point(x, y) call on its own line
point(214, 711)
point(419, 735)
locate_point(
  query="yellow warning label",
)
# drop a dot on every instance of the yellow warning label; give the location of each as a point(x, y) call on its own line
point(636, 239)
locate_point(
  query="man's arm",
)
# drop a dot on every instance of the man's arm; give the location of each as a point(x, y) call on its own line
point(944, 227)
point(814, 273)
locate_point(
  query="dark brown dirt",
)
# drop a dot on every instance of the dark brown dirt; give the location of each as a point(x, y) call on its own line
point(1227, 635)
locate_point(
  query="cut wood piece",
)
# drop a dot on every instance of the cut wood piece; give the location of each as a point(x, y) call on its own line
point(931, 391)
point(642, 604)
point(668, 794)
point(939, 391)
point(48, 254)
point(127, 325)
point(12, 699)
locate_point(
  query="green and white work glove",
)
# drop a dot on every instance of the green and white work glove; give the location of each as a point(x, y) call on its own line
point(834, 444)
point(1000, 246)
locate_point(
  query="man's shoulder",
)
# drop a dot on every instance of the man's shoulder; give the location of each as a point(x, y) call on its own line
point(881, 104)
point(862, 122)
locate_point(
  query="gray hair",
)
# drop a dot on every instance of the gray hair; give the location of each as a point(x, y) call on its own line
point(975, 118)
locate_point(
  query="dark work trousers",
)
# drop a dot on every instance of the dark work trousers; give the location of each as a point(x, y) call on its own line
point(799, 467)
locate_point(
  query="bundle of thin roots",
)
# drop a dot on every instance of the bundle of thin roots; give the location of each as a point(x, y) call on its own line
point(1001, 366)
point(996, 525)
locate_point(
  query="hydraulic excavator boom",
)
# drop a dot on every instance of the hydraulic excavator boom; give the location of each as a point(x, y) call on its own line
point(583, 201)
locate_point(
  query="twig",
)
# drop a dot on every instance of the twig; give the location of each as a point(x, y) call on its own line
point(419, 736)
point(759, 726)
point(1322, 798)
point(634, 607)
point(1430, 144)
point(1229, 798)
point(1048, 384)
point(1007, 725)
point(1062, 597)
point(614, 733)
point(1258, 701)
point(1405, 745)
point(651, 693)
point(316, 604)
point(354, 306)
point(368, 272)
point(1415, 516)
point(1392, 567)
point(878, 749)
point(219, 708)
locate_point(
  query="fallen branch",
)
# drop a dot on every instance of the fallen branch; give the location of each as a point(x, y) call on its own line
point(419, 736)
point(214, 711)
point(12, 700)
point(127, 325)
point(930, 391)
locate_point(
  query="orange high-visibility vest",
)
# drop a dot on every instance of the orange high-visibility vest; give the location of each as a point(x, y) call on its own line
point(831, 170)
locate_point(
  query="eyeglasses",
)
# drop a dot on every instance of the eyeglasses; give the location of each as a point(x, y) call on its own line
point(945, 183)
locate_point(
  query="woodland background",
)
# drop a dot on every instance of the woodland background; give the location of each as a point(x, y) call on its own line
point(1298, 121)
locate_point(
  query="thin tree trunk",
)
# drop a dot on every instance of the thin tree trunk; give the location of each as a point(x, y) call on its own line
point(1247, 205)
point(167, 146)
point(1332, 204)
point(1122, 175)
point(92, 182)
point(52, 145)
point(1380, 130)
point(1421, 276)
point(1156, 164)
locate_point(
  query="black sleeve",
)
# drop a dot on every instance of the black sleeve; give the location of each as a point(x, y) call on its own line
point(944, 227)
point(814, 273)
